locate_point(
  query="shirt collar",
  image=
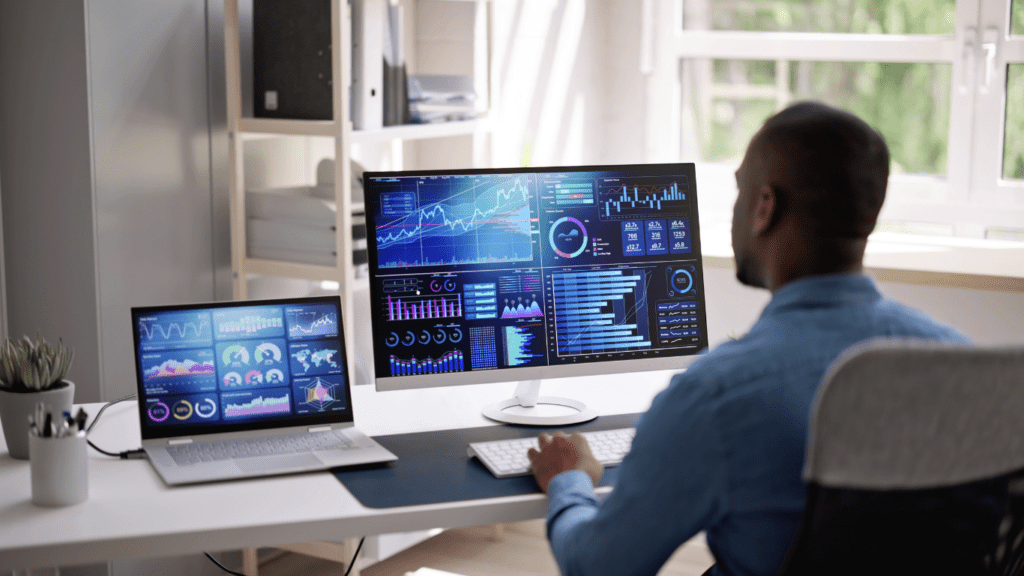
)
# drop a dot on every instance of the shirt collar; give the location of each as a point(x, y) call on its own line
point(827, 289)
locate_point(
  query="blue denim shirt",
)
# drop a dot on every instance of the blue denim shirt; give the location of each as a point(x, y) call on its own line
point(722, 448)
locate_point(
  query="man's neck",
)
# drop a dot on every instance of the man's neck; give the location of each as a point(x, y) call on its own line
point(808, 257)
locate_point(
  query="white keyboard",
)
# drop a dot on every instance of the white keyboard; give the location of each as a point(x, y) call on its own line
point(506, 458)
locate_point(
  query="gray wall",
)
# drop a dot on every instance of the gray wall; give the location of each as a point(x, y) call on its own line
point(108, 131)
point(46, 167)
point(151, 131)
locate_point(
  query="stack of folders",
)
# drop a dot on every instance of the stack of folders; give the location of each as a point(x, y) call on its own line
point(297, 224)
point(441, 98)
point(396, 97)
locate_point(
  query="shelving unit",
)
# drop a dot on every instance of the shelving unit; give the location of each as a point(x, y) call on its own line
point(246, 129)
point(339, 128)
point(242, 129)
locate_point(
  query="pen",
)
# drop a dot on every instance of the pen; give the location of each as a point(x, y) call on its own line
point(40, 410)
point(48, 425)
point(81, 418)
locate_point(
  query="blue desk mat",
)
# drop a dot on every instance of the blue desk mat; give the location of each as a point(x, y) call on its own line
point(433, 467)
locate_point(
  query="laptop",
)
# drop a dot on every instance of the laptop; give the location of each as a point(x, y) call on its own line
point(241, 389)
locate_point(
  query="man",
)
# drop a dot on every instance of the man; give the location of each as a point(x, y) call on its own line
point(721, 449)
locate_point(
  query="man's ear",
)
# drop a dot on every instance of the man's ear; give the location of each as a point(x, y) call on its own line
point(765, 210)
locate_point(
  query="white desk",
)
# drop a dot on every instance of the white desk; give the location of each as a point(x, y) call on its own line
point(131, 513)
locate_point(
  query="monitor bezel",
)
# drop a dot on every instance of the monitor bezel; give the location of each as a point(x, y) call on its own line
point(506, 375)
point(293, 421)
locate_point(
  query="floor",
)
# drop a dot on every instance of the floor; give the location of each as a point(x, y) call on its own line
point(505, 550)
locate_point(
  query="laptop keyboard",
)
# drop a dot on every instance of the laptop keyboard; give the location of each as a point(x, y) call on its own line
point(196, 452)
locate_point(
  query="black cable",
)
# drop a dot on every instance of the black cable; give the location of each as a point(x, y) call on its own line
point(354, 556)
point(350, 564)
point(101, 450)
point(127, 454)
point(222, 567)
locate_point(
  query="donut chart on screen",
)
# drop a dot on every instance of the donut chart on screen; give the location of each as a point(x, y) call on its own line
point(568, 237)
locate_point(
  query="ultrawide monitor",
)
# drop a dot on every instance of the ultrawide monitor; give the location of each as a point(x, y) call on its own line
point(522, 274)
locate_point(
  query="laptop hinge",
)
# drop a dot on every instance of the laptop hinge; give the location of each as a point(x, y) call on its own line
point(179, 441)
point(320, 429)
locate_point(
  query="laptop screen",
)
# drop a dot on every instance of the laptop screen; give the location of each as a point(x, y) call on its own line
point(233, 366)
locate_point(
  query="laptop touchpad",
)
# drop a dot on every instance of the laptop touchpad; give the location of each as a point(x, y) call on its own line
point(278, 463)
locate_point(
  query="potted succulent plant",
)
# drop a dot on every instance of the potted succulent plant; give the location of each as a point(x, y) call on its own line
point(32, 372)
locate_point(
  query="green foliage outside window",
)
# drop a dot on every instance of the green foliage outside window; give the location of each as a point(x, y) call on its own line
point(907, 102)
point(1013, 145)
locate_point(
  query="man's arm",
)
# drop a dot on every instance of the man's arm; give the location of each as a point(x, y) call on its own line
point(670, 487)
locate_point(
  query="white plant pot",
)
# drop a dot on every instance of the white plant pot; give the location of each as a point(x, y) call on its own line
point(16, 407)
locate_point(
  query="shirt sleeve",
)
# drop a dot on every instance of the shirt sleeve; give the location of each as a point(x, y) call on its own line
point(671, 486)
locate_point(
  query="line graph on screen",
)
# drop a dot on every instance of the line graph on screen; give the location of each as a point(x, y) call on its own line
point(460, 223)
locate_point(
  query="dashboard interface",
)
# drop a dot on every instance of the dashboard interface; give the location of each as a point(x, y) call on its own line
point(231, 366)
point(478, 270)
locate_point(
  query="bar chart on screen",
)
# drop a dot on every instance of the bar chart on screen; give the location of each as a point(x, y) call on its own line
point(641, 197)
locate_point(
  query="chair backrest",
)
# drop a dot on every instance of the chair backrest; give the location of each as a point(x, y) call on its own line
point(915, 463)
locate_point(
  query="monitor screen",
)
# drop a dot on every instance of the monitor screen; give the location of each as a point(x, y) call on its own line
point(500, 275)
point(230, 366)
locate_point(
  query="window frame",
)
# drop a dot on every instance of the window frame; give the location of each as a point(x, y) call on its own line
point(971, 197)
point(996, 48)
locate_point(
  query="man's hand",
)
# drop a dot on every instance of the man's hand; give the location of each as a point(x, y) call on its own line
point(562, 453)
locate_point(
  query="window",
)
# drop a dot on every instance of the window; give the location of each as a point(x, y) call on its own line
point(942, 80)
point(729, 100)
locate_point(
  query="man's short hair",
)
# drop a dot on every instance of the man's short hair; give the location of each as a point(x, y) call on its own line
point(836, 167)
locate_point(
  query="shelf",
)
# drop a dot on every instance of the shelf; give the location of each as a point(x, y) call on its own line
point(312, 272)
point(422, 131)
point(265, 126)
point(256, 128)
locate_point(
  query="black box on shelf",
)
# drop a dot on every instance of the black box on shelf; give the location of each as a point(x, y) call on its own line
point(292, 59)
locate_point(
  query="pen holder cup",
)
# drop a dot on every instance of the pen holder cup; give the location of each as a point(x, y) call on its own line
point(60, 470)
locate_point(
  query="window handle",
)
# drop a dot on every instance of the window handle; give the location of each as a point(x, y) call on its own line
point(990, 46)
point(969, 56)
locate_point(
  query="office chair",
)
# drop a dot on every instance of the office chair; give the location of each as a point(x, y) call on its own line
point(915, 463)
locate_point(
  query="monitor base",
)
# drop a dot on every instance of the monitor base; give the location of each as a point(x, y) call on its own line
point(526, 396)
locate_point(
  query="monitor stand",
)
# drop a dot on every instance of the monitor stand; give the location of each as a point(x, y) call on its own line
point(522, 408)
